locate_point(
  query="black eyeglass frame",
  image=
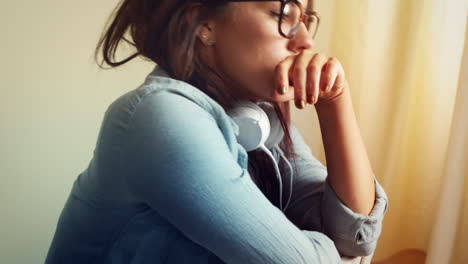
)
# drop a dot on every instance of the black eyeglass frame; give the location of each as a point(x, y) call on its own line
point(308, 14)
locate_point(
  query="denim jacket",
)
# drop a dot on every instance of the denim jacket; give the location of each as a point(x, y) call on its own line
point(168, 183)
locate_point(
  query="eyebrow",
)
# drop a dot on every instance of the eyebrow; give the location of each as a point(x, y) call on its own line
point(308, 7)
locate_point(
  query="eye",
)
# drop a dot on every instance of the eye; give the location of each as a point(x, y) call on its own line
point(277, 15)
point(274, 14)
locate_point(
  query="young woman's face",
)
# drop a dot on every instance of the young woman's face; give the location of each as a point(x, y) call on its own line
point(248, 48)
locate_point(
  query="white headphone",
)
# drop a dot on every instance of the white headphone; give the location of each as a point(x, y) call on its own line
point(260, 129)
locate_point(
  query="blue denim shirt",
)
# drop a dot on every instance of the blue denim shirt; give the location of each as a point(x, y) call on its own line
point(168, 183)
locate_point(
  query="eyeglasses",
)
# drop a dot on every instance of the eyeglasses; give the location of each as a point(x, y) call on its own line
point(290, 17)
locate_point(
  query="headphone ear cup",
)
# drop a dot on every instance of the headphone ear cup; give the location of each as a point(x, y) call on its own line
point(254, 126)
point(276, 129)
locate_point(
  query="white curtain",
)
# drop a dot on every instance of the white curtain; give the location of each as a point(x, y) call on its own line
point(450, 230)
point(403, 61)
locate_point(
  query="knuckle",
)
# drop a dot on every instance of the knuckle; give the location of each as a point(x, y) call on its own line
point(298, 71)
point(334, 61)
point(312, 67)
point(322, 57)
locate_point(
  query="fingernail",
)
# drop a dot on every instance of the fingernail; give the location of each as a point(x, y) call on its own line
point(313, 100)
point(280, 89)
point(310, 100)
point(300, 104)
point(327, 88)
point(284, 89)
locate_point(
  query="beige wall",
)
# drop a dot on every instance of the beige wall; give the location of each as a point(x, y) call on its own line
point(52, 101)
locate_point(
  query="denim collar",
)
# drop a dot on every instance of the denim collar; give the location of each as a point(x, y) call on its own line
point(159, 71)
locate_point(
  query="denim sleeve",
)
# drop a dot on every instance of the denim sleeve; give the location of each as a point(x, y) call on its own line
point(315, 206)
point(181, 166)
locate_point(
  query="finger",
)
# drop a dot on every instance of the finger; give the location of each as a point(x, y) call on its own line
point(299, 74)
point(338, 88)
point(282, 74)
point(329, 73)
point(313, 77)
point(339, 84)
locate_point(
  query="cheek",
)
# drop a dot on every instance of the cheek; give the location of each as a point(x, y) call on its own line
point(252, 65)
point(251, 56)
point(248, 49)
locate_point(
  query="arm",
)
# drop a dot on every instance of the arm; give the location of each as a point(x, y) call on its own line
point(315, 205)
point(182, 166)
point(349, 170)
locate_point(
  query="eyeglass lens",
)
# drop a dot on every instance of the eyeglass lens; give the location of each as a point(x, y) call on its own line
point(292, 18)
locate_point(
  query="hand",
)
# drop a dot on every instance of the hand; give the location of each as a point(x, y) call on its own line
point(315, 78)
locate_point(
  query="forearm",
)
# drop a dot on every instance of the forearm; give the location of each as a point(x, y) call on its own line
point(349, 170)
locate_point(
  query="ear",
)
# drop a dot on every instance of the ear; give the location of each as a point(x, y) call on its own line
point(205, 32)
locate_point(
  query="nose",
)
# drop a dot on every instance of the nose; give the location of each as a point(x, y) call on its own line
point(302, 40)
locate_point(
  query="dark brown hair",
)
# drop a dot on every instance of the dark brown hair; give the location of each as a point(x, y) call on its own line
point(160, 32)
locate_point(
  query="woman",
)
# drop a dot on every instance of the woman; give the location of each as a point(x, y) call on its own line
point(169, 182)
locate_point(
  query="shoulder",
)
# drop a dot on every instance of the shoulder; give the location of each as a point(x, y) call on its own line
point(160, 93)
point(170, 102)
point(179, 111)
point(162, 101)
point(174, 130)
